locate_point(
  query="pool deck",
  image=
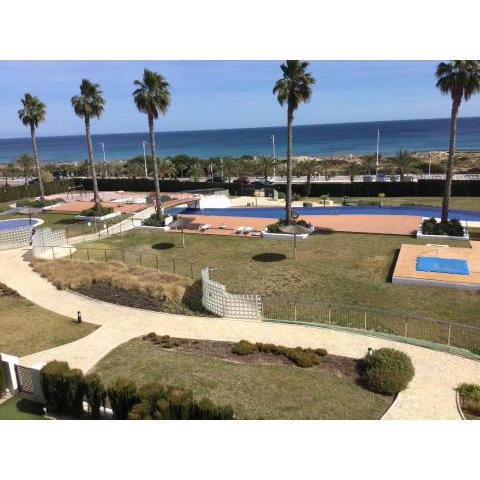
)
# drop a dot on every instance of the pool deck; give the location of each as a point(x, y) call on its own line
point(405, 269)
point(380, 224)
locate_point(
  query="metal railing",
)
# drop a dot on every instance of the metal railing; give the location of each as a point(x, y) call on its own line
point(386, 323)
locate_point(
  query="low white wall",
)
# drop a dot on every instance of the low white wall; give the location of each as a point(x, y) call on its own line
point(98, 219)
point(441, 237)
point(217, 300)
point(215, 201)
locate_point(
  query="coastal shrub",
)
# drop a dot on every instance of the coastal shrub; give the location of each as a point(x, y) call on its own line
point(469, 390)
point(281, 222)
point(96, 212)
point(153, 221)
point(53, 378)
point(452, 228)
point(302, 357)
point(95, 394)
point(243, 347)
point(470, 397)
point(123, 395)
point(387, 371)
point(38, 203)
point(157, 402)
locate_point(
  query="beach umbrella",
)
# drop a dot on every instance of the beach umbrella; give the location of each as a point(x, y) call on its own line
point(294, 230)
point(181, 223)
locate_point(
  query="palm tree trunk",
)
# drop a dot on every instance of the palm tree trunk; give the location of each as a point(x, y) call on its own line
point(37, 162)
point(96, 196)
point(451, 157)
point(158, 204)
point(308, 190)
point(288, 199)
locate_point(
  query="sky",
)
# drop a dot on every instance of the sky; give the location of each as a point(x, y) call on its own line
point(223, 94)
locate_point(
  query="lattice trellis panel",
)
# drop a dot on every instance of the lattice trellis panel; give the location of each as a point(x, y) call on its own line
point(15, 238)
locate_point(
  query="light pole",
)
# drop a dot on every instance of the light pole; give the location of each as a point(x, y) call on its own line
point(378, 151)
point(274, 157)
point(429, 163)
point(145, 158)
point(103, 149)
point(221, 163)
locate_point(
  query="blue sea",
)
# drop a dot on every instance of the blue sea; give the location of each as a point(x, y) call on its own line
point(327, 139)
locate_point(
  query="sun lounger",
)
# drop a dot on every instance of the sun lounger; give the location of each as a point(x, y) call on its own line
point(247, 230)
point(239, 230)
point(204, 228)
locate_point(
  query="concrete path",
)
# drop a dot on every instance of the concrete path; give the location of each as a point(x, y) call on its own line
point(431, 394)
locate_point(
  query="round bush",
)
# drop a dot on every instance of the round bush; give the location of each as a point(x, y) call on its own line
point(243, 347)
point(387, 371)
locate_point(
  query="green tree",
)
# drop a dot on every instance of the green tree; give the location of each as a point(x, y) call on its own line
point(292, 89)
point(26, 163)
point(265, 165)
point(10, 170)
point(90, 104)
point(460, 79)
point(153, 98)
point(33, 112)
point(165, 167)
point(308, 168)
point(403, 161)
point(196, 171)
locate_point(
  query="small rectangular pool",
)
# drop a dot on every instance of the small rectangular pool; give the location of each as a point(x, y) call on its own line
point(442, 265)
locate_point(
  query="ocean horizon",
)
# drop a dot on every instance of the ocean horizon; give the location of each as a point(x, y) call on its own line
point(308, 140)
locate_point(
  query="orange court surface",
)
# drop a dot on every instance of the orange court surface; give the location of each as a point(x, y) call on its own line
point(406, 273)
point(382, 224)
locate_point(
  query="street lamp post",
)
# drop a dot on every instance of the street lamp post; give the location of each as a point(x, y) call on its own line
point(145, 158)
point(274, 156)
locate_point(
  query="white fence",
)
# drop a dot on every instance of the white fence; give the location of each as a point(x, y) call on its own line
point(15, 237)
point(216, 299)
point(46, 238)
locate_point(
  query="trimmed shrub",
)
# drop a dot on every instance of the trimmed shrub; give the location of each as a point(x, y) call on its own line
point(302, 358)
point(452, 228)
point(75, 392)
point(53, 378)
point(243, 347)
point(469, 390)
point(96, 212)
point(470, 397)
point(387, 371)
point(95, 394)
point(38, 203)
point(153, 221)
point(281, 222)
point(123, 395)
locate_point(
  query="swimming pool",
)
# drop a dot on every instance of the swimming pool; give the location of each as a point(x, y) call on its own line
point(14, 223)
point(442, 265)
point(279, 212)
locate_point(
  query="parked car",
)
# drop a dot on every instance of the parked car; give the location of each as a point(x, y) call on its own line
point(260, 183)
point(242, 179)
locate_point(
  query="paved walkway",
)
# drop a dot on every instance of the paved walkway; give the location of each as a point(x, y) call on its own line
point(430, 395)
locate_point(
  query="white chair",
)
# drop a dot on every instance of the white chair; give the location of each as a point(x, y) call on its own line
point(204, 228)
point(239, 230)
point(247, 230)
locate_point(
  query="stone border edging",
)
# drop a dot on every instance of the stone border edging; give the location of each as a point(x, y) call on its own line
point(387, 411)
point(459, 407)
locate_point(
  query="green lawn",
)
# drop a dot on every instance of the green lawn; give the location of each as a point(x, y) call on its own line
point(467, 203)
point(17, 408)
point(254, 391)
point(67, 221)
point(343, 268)
point(27, 328)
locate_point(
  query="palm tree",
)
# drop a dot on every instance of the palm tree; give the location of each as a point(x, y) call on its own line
point(26, 162)
point(166, 167)
point(403, 161)
point(32, 113)
point(265, 165)
point(369, 162)
point(460, 79)
point(90, 103)
point(293, 88)
point(153, 98)
point(351, 169)
point(308, 168)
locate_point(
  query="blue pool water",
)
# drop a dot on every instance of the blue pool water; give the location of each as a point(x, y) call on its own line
point(442, 265)
point(17, 223)
point(278, 212)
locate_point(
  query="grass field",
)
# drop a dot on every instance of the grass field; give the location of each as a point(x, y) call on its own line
point(17, 408)
point(27, 328)
point(254, 391)
point(72, 226)
point(352, 269)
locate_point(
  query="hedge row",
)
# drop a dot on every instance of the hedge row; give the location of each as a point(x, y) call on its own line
point(422, 188)
point(23, 191)
point(65, 389)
